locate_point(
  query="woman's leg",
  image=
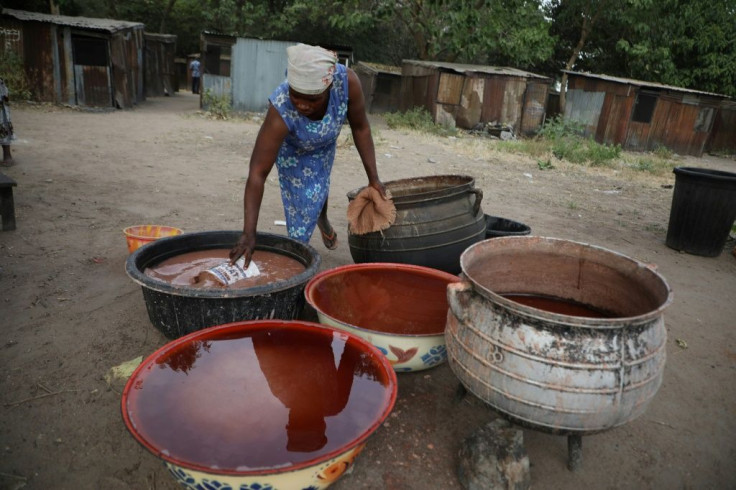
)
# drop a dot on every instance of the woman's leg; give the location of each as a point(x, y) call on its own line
point(7, 157)
point(329, 235)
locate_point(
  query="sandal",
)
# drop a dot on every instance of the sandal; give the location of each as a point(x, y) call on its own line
point(330, 240)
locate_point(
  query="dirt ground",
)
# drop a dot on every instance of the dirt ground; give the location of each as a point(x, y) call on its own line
point(69, 312)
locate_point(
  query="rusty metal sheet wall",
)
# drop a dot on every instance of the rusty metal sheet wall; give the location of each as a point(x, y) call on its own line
point(723, 135)
point(38, 59)
point(450, 88)
point(503, 101)
point(585, 108)
point(533, 110)
point(388, 92)
point(614, 119)
point(637, 136)
point(418, 87)
point(257, 67)
point(382, 92)
point(65, 59)
point(681, 122)
point(603, 119)
point(126, 56)
point(596, 85)
point(665, 118)
point(121, 87)
point(430, 96)
point(469, 111)
point(159, 67)
point(135, 50)
point(673, 126)
point(513, 102)
point(217, 86)
point(414, 92)
point(93, 85)
point(492, 110)
point(368, 84)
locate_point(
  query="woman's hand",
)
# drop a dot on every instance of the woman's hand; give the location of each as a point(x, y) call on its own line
point(244, 247)
point(378, 185)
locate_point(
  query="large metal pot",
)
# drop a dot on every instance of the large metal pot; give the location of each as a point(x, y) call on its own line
point(552, 371)
point(437, 218)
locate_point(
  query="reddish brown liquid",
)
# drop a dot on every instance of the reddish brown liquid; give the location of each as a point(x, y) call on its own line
point(269, 398)
point(385, 300)
point(184, 269)
point(557, 305)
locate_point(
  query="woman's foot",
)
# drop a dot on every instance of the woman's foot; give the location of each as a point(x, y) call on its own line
point(329, 238)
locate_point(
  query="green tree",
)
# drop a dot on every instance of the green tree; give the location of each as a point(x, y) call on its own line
point(513, 32)
point(576, 27)
point(691, 44)
point(686, 43)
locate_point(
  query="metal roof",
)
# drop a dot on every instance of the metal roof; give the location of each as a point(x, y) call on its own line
point(463, 68)
point(166, 38)
point(641, 83)
point(220, 34)
point(379, 68)
point(109, 25)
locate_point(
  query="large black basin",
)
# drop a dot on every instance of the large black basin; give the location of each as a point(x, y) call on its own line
point(179, 310)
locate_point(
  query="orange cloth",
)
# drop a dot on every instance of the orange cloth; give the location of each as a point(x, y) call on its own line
point(369, 212)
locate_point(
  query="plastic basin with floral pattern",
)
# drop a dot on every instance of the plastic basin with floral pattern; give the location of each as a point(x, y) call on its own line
point(399, 308)
point(262, 404)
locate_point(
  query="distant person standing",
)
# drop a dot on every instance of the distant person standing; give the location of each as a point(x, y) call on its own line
point(194, 66)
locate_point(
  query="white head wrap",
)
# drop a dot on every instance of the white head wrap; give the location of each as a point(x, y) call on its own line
point(310, 68)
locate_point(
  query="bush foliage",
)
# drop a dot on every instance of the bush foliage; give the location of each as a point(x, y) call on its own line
point(11, 70)
point(418, 119)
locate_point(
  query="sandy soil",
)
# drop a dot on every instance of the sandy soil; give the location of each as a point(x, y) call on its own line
point(69, 312)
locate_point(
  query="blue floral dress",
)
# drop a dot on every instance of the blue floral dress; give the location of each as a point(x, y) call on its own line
point(305, 159)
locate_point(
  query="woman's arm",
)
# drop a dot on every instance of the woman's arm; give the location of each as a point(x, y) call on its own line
point(269, 140)
point(361, 129)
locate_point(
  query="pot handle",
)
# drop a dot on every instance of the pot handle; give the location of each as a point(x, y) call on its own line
point(459, 295)
point(478, 198)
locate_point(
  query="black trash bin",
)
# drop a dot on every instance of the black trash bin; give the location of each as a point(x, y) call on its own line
point(703, 210)
point(498, 227)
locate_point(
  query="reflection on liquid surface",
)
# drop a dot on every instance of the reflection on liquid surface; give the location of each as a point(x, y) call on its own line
point(268, 398)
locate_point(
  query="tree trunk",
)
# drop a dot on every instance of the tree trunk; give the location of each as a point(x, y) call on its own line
point(588, 23)
point(112, 9)
point(165, 16)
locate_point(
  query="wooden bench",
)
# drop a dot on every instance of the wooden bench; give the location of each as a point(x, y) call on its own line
point(7, 207)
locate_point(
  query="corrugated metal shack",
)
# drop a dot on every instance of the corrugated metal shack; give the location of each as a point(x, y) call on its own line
point(247, 70)
point(77, 60)
point(642, 116)
point(381, 86)
point(468, 95)
point(160, 68)
point(216, 60)
point(216, 53)
point(258, 66)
